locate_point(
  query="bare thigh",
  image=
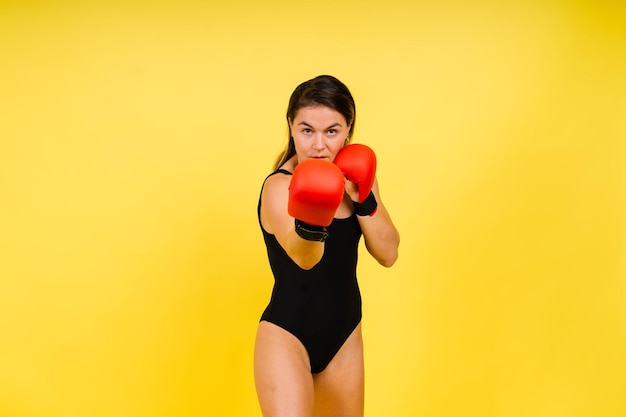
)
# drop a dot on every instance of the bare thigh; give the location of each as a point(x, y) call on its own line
point(282, 373)
point(339, 389)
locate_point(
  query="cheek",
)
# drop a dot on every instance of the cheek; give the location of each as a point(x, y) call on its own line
point(300, 145)
point(335, 151)
point(298, 141)
point(338, 146)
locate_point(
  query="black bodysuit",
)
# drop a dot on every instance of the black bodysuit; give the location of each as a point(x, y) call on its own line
point(320, 306)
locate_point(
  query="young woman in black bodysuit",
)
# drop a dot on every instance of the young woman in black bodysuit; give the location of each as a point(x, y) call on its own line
point(308, 358)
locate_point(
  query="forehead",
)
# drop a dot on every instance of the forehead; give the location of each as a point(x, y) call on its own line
point(319, 115)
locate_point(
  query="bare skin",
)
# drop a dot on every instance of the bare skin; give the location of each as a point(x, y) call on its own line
point(286, 387)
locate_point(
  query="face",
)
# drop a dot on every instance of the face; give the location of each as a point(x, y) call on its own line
point(318, 132)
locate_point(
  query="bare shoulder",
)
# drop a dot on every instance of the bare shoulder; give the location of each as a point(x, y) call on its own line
point(277, 183)
point(274, 200)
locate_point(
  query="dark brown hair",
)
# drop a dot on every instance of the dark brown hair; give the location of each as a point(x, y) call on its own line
point(323, 90)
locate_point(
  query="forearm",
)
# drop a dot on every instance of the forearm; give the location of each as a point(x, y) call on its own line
point(305, 253)
point(381, 236)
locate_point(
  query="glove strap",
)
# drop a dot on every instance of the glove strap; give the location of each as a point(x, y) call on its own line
point(368, 207)
point(309, 232)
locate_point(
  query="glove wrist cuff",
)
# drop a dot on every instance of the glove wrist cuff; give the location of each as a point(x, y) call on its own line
point(368, 207)
point(310, 232)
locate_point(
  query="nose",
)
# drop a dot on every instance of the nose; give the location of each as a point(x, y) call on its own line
point(318, 142)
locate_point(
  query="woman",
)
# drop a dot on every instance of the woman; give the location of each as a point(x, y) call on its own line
point(308, 358)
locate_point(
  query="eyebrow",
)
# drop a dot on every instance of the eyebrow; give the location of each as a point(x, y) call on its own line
point(329, 127)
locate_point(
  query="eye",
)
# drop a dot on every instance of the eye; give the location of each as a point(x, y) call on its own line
point(306, 130)
point(332, 131)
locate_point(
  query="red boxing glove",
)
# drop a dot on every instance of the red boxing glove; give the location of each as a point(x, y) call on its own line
point(315, 192)
point(358, 163)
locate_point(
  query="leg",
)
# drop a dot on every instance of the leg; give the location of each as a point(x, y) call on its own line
point(339, 389)
point(282, 373)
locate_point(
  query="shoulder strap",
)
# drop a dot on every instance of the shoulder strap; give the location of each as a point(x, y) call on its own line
point(282, 171)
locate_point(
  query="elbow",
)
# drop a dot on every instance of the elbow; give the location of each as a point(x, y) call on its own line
point(306, 265)
point(388, 260)
point(386, 255)
point(308, 261)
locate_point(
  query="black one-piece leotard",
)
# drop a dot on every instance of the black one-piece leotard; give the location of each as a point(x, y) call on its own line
point(320, 306)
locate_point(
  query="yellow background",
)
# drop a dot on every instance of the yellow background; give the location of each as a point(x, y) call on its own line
point(134, 137)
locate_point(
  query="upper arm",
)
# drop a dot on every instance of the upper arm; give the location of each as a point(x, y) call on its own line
point(276, 220)
point(274, 200)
